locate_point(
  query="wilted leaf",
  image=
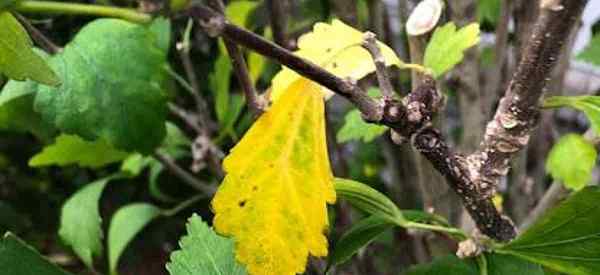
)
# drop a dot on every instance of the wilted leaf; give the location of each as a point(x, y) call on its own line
point(112, 75)
point(18, 258)
point(273, 199)
point(125, 224)
point(69, 149)
point(80, 221)
point(17, 58)
point(591, 53)
point(571, 161)
point(589, 105)
point(355, 128)
point(337, 48)
point(566, 239)
point(446, 47)
point(204, 252)
point(359, 236)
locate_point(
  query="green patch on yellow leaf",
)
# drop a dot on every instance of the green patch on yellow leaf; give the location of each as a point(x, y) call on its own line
point(337, 48)
point(273, 199)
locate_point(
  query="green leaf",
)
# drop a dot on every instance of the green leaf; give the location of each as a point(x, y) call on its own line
point(499, 264)
point(571, 161)
point(589, 105)
point(445, 266)
point(360, 235)
point(17, 59)
point(238, 12)
point(488, 10)
point(591, 53)
point(7, 3)
point(70, 149)
point(18, 258)
point(16, 110)
point(368, 199)
point(219, 81)
point(204, 252)
point(355, 128)
point(80, 221)
point(127, 222)
point(566, 239)
point(112, 73)
point(446, 47)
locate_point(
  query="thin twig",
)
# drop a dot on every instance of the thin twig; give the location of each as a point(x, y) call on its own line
point(370, 44)
point(278, 20)
point(182, 174)
point(191, 120)
point(41, 39)
point(185, 204)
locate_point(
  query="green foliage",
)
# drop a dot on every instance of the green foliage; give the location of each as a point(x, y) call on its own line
point(571, 161)
point(17, 258)
point(368, 199)
point(591, 53)
point(360, 235)
point(355, 128)
point(497, 264)
point(204, 252)
point(238, 12)
point(589, 105)
point(17, 59)
point(69, 149)
point(16, 110)
point(127, 222)
point(567, 238)
point(445, 265)
point(220, 84)
point(112, 73)
point(80, 221)
point(488, 11)
point(446, 47)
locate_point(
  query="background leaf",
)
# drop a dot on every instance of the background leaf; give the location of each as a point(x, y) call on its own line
point(567, 238)
point(220, 84)
point(446, 47)
point(17, 258)
point(445, 265)
point(127, 222)
point(17, 59)
point(202, 251)
point(589, 105)
point(112, 71)
point(69, 149)
point(571, 161)
point(355, 128)
point(80, 221)
point(591, 53)
point(368, 199)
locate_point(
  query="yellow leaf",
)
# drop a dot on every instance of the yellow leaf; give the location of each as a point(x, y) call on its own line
point(274, 198)
point(337, 48)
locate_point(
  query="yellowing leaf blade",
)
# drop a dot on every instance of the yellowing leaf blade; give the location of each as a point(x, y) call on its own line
point(273, 199)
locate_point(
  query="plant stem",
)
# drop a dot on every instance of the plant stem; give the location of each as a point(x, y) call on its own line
point(185, 204)
point(483, 266)
point(82, 9)
point(436, 228)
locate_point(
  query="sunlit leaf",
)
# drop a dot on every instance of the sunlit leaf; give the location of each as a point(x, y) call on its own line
point(204, 252)
point(69, 149)
point(447, 45)
point(273, 199)
point(337, 48)
point(567, 238)
point(127, 222)
point(17, 59)
point(571, 161)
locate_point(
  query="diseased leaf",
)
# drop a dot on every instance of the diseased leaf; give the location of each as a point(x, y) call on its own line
point(127, 222)
point(360, 235)
point(337, 48)
point(566, 239)
point(589, 105)
point(571, 161)
point(446, 47)
point(112, 75)
point(18, 258)
point(355, 128)
point(273, 199)
point(80, 221)
point(70, 149)
point(591, 54)
point(202, 251)
point(17, 58)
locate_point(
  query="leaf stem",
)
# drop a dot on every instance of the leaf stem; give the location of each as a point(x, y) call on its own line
point(82, 9)
point(185, 204)
point(450, 230)
point(483, 265)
